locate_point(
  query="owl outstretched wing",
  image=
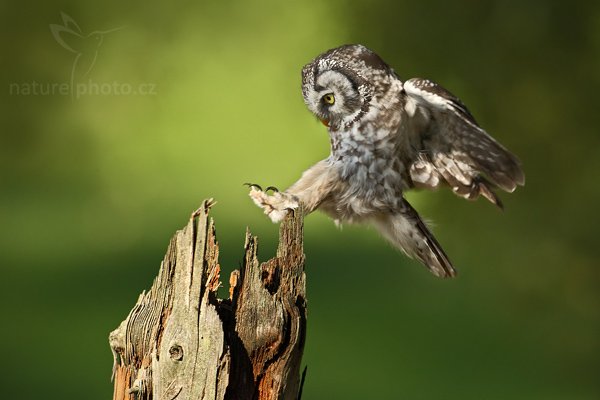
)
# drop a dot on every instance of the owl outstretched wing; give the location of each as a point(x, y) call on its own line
point(450, 147)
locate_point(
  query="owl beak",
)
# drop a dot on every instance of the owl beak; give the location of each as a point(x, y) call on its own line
point(325, 122)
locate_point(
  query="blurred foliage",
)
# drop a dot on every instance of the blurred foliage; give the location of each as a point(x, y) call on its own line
point(92, 188)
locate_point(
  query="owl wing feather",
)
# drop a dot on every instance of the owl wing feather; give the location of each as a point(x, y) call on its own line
point(449, 146)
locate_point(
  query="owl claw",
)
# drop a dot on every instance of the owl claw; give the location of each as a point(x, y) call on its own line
point(277, 205)
point(255, 186)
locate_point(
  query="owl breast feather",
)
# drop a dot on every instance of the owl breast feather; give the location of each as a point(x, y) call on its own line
point(370, 170)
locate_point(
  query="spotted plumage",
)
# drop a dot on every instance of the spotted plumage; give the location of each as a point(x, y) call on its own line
point(388, 136)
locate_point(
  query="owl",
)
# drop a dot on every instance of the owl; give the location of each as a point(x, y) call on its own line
point(389, 136)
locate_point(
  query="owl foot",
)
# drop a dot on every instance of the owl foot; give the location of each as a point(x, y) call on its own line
point(275, 205)
point(253, 185)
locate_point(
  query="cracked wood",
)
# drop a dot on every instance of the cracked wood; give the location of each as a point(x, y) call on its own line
point(180, 341)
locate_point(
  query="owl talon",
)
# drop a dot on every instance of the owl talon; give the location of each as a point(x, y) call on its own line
point(272, 188)
point(291, 210)
point(275, 206)
point(254, 186)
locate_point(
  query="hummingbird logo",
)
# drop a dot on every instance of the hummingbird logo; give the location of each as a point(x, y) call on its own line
point(85, 47)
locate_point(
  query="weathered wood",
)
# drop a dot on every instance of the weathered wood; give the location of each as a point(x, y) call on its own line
point(181, 341)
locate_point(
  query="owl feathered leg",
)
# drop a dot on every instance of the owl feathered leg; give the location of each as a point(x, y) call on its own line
point(406, 230)
point(309, 191)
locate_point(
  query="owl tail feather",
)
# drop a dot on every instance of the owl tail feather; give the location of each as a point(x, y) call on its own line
point(407, 231)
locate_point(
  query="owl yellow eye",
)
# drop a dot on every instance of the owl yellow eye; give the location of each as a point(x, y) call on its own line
point(329, 98)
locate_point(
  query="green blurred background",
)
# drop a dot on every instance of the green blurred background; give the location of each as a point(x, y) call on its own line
point(92, 188)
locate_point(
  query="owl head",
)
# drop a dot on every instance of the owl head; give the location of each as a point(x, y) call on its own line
point(340, 85)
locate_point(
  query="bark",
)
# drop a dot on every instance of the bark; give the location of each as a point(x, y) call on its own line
point(181, 341)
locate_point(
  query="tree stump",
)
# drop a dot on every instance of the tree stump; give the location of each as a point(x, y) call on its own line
point(182, 342)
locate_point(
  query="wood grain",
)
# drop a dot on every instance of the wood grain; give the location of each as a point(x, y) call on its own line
point(180, 341)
